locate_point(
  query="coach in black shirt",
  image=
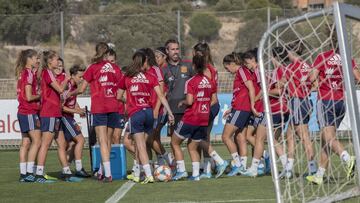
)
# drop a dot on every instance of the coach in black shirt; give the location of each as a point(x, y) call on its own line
point(176, 73)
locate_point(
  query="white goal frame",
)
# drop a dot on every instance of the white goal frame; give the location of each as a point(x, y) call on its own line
point(340, 13)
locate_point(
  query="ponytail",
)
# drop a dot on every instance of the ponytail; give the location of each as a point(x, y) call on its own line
point(139, 59)
point(199, 63)
point(101, 50)
point(22, 59)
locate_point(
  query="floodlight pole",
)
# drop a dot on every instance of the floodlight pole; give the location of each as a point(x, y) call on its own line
point(341, 11)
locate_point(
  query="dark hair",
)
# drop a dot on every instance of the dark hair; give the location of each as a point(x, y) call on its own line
point(280, 53)
point(76, 68)
point(22, 59)
point(150, 55)
point(112, 53)
point(204, 49)
point(46, 56)
point(101, 50)
point(199, 63)
point(161, 50)
point(233, 58)
point(60, 59)
point(250, 54)
point(139, 58)
point(296, 46)
point(170, 41)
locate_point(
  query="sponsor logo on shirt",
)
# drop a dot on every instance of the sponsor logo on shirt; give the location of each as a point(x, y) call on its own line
point(334, 60)
point(107, 68)
point(329, 71)
point(200, 94)
point(304, 67)
point(103, 78)
point(134, 88)
point(204, 83)
point(139, 78)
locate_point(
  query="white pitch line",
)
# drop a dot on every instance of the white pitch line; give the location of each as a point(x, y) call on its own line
point(120, 193)
point(232, 200)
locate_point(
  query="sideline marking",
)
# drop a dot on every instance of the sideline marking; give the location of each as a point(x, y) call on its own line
point(121, 192)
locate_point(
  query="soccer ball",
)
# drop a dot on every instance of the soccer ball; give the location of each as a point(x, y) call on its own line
point(163, 173)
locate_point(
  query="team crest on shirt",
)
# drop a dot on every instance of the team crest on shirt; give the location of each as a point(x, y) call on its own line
point(107, 68)
point(204, 83)
point(140, 78)
point(183, 69)
point(305, 67)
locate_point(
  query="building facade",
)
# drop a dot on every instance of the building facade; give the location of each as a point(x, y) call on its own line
point(312, 4)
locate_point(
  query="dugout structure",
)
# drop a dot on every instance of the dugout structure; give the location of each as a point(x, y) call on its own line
point(309, 29)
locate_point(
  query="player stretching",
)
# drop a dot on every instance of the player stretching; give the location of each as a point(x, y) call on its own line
point(242, 104)
point(138, 84)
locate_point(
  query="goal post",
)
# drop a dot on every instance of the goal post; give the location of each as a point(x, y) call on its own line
point(339, 15)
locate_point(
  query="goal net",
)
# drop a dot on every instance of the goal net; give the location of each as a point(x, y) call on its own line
point(310, 49)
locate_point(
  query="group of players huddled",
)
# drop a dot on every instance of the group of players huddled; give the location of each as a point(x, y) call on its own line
point(158, 87)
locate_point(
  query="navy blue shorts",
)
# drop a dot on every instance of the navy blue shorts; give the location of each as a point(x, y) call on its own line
point(120, 123)
point(214, 111)
point(187, 131)
point(300, 110)
point(105, 119)
point(70, 127)
point(142, 121)
point(279, 120)
point(238, 118)
point(50, 124)
point(28, 122)
point(256, 121)
point(330, 113)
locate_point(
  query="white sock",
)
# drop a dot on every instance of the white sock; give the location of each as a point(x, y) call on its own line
point(236, 159)
point(100, 171)
point(40, 170)
point(207, 165)
point(254, 164)
point(290, 164)
point(214, 155)
point(345, 156)
point(107, 168)
point(283, 160)
point(137, 170)
point(180, 165)
point(23, 168)
point(320, 172)
point(266, 154)
point(169, 158)
point(134, 165)
point(66, 170)
point(195, 169)
point(78, 165)
point(312, 166)
point(243, 161)
point(30, 167)
point(147, 170)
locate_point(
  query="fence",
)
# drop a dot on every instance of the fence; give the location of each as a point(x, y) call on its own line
point(74, 36)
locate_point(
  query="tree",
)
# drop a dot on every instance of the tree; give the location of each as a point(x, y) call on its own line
point(204, 26)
